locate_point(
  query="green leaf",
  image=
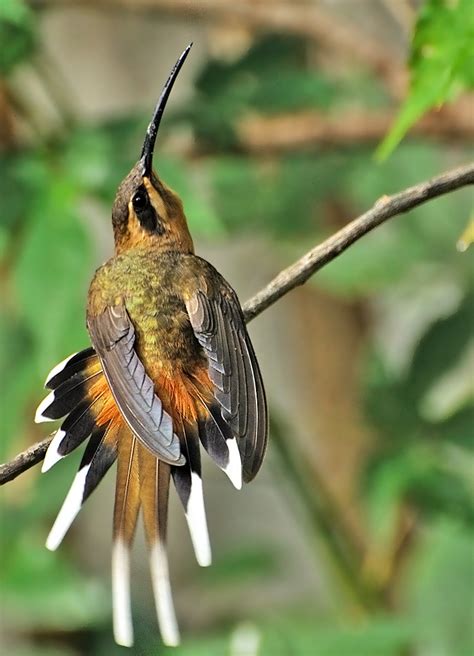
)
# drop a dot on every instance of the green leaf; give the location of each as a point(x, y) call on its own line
point(15, 11)
point(458, 429)
point(41, 590)
point(439, 348)
point(441, 63)
point(17, 34)
point(302, 638)
point(438, 492)
point(388, 487)
point(439, 590)
point(416, 474)
point(387, 405)
point(52, 271)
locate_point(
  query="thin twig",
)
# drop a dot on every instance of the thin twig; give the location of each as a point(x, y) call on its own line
point(385, 208)
point(23, 461)
point(299, 272)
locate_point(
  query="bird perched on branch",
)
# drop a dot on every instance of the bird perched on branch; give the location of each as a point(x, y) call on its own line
point(171, 368)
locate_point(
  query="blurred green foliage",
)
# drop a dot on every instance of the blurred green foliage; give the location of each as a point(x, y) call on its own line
point(17, 33)
point(414, 450)
point(47, 248)
point(227, 91)
point(441, 63)
point(300, 635)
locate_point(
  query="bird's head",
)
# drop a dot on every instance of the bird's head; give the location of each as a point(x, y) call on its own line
point(146, 212)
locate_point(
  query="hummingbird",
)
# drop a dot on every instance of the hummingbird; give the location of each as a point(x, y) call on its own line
point(170, 369)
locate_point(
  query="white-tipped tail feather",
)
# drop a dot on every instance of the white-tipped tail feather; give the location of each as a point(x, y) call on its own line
point(52, 455)
point(162, 593)
point(45, 403)
point(122, 614)
point(234, 466)
point(197, 523)
point(142, 478)
point(69, 510)
point(58, 368)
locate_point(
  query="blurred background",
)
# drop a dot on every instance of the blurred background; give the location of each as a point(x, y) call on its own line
point(356, 538)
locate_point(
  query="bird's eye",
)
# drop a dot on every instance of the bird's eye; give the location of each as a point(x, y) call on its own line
point(144, 210)
point(140, 200)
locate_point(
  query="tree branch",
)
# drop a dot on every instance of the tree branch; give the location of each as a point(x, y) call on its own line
point(299, 272)
point(24, 460)
point(385, 208)
point(306, 130)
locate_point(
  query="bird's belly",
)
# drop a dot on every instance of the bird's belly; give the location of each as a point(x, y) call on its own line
point(165, 341)
point(175, 363)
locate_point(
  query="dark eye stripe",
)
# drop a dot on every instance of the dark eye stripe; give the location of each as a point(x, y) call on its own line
point(145, 211)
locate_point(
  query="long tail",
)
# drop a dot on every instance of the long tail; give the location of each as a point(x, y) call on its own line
point(154, 489)
point(188, 483)
point(80, 394)
point(127, 506)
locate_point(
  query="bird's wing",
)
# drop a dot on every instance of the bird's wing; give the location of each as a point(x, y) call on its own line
point(113, 338)
point(219, 326)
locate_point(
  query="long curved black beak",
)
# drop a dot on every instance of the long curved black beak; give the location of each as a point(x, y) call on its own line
point(152, 130)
